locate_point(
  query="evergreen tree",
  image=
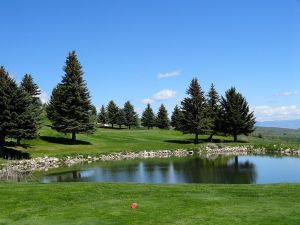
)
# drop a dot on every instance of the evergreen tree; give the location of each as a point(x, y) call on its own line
point(29, 109)
point(120, 120)
point(162, 120)
point(130, 115)
point(70, 105)
point(93, 116)
point(8, 97)
point(148, 117)
point(102, 117)
point(176, 118)
point(213, 107)
point(112, 113)
point(194, 111)
point(236, 116)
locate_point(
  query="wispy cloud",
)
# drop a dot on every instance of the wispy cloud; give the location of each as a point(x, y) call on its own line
point(164, 94)
point(289, 93)
point(147, 101)
point(44, 97)
point(169, 74)
point(269, 113)
point(159, 96)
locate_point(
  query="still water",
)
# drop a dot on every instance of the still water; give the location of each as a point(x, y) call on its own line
point(221, 170)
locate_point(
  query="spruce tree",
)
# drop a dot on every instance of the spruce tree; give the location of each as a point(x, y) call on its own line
point(8, 98)
point(162, 120)
point(195, 119)
point(148, 117)
point(130, 115)
point(70, 105)
point(236, 116)
point(176, 118)
point(29, 109)
point(102, 117)
point(120, 119)
point(112, 113)
point(213, 107)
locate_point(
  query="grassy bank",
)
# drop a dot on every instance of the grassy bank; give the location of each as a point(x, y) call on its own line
point(52, 143)
point(90, 203)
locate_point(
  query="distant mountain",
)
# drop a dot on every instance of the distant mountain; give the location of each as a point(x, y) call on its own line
point(290, 124)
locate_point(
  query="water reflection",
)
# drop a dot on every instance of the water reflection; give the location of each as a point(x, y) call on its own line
point(185, 170)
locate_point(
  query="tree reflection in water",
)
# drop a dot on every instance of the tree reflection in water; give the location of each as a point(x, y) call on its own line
point(225, 170)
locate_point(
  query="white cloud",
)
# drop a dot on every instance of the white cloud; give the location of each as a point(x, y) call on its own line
point(44, 97)
point(159, 96)
point(164, 94)
point(147, 101)
point(289, 93)
point(269, 113)
point(169, 74)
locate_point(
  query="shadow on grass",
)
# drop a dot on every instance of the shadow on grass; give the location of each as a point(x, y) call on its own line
point(192, 141)
point(14, 144)
point(10, 153)
point(64, 141)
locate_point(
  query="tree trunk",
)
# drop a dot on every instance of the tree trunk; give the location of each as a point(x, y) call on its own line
point(210, 138)
point(73, 136)
point(112, 126)
point(235, 138)
point(18, 141)
point(129, 127)
point(120, 126)
point(2, 141)
point(196, 138)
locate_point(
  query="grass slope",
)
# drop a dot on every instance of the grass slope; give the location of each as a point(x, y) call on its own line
point(90, 203)
point(52, 143)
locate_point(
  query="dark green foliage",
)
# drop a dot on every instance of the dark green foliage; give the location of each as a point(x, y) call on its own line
point(213, 108)
point(93, 116)
point(8, 98)
point(70, 106)
point(130, 115)
point(176, 118)
point(148, 117)
point(162, 120)
point(112, 113)
point(29, 109)
point(102, 117)
point(120, 119)
point(195, 118)
point(236, 116)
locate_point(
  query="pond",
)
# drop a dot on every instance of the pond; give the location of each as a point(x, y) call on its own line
point(220, 170)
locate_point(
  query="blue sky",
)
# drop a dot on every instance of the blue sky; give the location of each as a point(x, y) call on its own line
point(125, 46)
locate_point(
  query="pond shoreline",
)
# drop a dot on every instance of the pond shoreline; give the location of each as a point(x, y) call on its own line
point(210, 151)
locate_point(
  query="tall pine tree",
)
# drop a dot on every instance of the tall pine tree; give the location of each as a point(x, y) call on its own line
point(120, 119)
point(162, 120)
point(236, 116)
point(102, 117)
point(70, 105)
point(213, 107)
point(195, 119)
point(112, 113)
point(8, 98)
point(30, 109)
point(130, 115)
point(148, 117)
point(176, 118)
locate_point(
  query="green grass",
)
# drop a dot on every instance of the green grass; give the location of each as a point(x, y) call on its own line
point(90, 203)
point(52, 143)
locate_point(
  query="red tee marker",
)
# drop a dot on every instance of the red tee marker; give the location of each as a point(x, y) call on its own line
point(134, 205)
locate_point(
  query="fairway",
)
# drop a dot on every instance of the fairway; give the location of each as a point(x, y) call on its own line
point(90, 203)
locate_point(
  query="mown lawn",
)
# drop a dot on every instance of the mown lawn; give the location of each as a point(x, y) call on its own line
point(52, 143)
point(91, 203)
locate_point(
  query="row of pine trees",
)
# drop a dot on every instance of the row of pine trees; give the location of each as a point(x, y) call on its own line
point(70, 109)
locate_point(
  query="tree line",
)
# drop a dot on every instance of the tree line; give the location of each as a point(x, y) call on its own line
point(71, 112)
